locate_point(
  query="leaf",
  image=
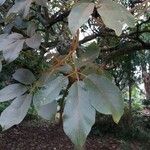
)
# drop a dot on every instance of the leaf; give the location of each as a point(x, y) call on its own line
point(7, 40)
point(105, 97)
point(45, 99)
point(79, 115)
point(2, 2)
point(31, 29)
point(34, 42)
point(88, 54)
point(115, 16)
point(92, 68)
point(3, 36)
point(16, 112)
point(79, 15)
point(47, 111)
point(11, 45)
point(12, 53)
point(23, 7)
point(42, 2)
point(12, 91)
point(20, 7)
point(24, 76)
point(91, 52)
point(50, 91)
point(65, 69)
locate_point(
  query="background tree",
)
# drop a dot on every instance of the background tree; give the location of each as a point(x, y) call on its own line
point(66, 53)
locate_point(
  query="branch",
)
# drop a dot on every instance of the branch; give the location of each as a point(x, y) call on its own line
point(104, 33)
point(54, 19)
point(124, 50)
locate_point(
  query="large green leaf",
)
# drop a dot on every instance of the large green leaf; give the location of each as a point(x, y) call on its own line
point(24, 76)
point(20, 7)
point(51, 90)
point(34, 41)
point(11, 45)
point(88, 54)
point(79, 14)
point(47, 111)
point(2, 2)
point(92, 68)
point(48, 94)
point(23, 6)
point(16, 112)
point(105, 97)
point(79, 115)
point(12, 91)
point(115, 16)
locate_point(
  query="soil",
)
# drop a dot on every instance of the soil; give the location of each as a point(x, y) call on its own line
point(32, 135)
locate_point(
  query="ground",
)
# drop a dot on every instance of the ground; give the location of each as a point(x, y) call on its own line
point(32, 135)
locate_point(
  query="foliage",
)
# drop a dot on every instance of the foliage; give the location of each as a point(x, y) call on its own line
point(51, 66)
point(139, 130)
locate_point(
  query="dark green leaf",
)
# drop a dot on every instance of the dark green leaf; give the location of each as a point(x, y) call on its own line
point(115, 16)
point(16, 112)
point(50, 91)
point(24, 76)
point(104, 96)
point(79, 14)
point(47, 111)
point(12, 91)
point(79, 115)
